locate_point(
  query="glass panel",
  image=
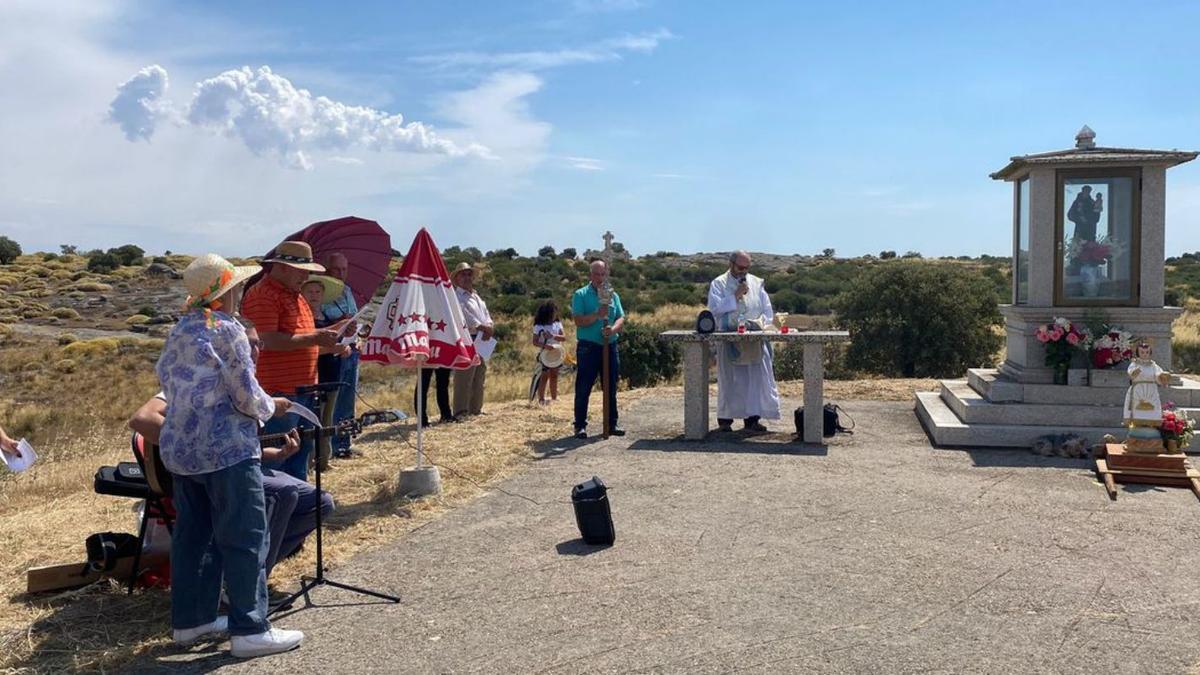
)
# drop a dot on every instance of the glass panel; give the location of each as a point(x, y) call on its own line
point(1097, 221)
point(1021, 263)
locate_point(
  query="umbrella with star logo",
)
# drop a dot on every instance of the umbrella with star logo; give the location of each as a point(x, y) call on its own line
point(420, 323)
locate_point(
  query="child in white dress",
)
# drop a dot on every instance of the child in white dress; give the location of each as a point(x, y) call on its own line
point(547, 333)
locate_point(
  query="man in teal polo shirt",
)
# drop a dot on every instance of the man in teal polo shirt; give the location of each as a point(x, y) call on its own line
point(591, 331)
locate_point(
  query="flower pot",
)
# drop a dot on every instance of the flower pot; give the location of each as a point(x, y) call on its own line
point(1172, 446)
point(1090, 277)
point(1061, 373)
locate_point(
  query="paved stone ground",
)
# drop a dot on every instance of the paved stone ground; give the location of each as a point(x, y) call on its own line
point(877, 553)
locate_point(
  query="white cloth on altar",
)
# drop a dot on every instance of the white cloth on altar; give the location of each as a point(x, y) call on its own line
point(743, 390)
point(1142, 402)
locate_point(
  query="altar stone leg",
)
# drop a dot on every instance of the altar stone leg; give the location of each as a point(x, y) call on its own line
point(814, 395)
point(695, 390)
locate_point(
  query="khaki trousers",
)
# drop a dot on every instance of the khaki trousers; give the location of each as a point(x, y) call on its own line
point(468, 389)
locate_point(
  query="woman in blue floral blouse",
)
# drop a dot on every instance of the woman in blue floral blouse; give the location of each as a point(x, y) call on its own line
point(209, 441)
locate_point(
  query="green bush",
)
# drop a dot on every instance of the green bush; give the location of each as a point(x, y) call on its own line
point(1185, 356)
point(9, 250)
point(789, 362)
point(103, 263)
point(914, 319)
point(645, 359)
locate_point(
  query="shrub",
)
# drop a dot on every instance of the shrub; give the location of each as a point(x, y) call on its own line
point(47, 257)
point(103, 263)
point(914, 319)
point(64, 313)
point(9, 250)
point(67, 338)
point(1186, 356)
point(645, 359)
point(137, 320)
point(789, 362)
point(129, 254)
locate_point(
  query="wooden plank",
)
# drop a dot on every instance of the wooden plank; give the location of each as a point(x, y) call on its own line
point(1109, 484)
point(74, 575)
point(1174, 463)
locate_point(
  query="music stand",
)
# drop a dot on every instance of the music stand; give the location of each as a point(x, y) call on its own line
point(325, 399)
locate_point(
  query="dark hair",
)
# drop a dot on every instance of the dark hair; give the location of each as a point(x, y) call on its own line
point(546, 314)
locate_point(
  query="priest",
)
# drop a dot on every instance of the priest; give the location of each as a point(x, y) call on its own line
point(745, 370)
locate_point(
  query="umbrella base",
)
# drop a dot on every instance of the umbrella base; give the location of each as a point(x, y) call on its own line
point(419, 481)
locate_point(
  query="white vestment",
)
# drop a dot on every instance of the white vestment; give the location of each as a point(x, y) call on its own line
point(1142, 403)
point(743, 390)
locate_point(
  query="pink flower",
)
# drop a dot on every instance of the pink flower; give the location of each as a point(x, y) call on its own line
point(1056, 334)
point(1073, 338)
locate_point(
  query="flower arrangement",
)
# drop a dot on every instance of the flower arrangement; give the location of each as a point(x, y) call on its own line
point(1111, 348)
point(1061, 338)
point(1088, 252)
point(1177, 426)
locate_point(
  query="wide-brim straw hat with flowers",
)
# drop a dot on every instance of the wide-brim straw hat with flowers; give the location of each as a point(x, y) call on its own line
point(296, 254)
point(332, 286)
point(210, 276)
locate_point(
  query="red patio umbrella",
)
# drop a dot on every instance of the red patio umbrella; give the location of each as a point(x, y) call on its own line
point(420, 323)
point(367, 247)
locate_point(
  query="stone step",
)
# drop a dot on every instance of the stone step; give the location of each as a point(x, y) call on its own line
point(998, 389)
point(948, 430)
point(972, 408)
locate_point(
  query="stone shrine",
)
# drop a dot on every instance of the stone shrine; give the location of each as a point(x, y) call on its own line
point(1088, 236)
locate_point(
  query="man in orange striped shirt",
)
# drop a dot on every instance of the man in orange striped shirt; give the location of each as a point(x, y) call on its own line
point(290, 339)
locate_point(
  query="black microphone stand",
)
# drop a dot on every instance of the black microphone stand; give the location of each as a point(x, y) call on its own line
point(325, 400)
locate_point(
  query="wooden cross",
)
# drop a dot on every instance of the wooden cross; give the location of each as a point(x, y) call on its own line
point(608, 239)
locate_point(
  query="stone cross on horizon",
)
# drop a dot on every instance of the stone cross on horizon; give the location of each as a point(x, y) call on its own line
point(608, 240)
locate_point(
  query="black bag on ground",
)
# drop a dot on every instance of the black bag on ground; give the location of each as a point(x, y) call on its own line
point(105, 548)
point(592, 513)
point(830, 418)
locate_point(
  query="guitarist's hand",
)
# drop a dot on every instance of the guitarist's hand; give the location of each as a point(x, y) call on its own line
point(291, 443)
point(282, 406)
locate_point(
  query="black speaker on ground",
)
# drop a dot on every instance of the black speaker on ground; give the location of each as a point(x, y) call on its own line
point(592, 513)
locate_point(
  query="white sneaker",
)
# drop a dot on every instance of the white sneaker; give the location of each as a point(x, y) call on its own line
point(273, 641)
point(190, 636)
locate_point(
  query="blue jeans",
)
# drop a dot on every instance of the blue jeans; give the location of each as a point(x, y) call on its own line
point(220, 530)
point(348, 375)
point(589, 361)
point(292, 506)
point(297, 464)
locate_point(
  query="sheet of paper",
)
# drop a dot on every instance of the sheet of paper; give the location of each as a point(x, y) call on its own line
point(26, 460)
point(305, 413)
point(484, 348)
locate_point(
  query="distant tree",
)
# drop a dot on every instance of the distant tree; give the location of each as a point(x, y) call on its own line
point(68, 249)
point(508, 253)
point(167, 252)
point(129, 254)
point(568, 253)
point(618, 247)
point(103, 263)
point(452, 252)
point(473, 253)
point(546, 252)
point(887, 255)
point(827, 253)
point(920, 319)
point(912, 255)
point(9, 250)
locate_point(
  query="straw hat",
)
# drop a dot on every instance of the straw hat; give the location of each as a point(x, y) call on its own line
point(552, 356)
point(462, 267)
point(296, 254)
point(210, 276)
point(333, 287)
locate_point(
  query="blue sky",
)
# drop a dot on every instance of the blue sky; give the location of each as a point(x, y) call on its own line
point(688, 126)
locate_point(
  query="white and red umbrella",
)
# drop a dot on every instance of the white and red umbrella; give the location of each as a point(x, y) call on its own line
point(420, 323)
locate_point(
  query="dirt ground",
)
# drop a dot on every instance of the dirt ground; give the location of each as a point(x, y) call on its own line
point(875, 552)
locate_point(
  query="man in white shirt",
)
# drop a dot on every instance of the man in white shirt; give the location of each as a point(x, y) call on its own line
point(745, 371)
point(468, 383)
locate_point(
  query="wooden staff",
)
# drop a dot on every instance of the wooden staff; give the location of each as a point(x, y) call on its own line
point(604, 370)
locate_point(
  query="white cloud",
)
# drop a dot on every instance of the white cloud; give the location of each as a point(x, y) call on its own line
point(585, 163)
point(612, 49)
point(139, 104)
point(271, 116)
point(497, 112)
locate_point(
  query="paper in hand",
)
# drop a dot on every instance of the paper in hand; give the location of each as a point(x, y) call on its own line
point(484, 348)
point(26, 460)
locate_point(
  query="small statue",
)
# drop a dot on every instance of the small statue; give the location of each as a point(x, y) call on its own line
point(1143, 406)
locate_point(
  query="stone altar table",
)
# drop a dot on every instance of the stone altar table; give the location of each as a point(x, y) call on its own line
point(697, 355)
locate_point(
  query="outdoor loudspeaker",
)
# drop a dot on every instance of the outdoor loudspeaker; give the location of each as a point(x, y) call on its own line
point(592, 514)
